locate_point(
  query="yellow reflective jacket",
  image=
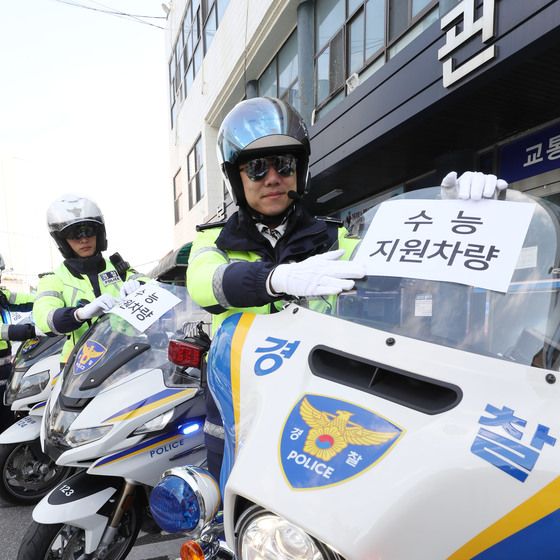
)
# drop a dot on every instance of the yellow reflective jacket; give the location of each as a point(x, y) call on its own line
point(65, 289)
point(215, 248)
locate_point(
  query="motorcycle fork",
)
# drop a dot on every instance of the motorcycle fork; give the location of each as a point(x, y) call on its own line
point(124, 502)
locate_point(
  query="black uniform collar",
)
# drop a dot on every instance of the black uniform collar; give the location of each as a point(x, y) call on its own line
point(87, 265)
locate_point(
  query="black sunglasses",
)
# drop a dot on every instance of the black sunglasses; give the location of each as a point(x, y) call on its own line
point(79, 230)
point(256, 169)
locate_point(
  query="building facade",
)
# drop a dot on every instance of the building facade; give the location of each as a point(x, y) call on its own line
point(395, 93)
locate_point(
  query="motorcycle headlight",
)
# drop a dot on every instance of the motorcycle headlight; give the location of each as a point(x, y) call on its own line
point(33, 384)
point(185, 500)
point(12, 386)
point(75, 438)
point(155, 424)
point(270, 536)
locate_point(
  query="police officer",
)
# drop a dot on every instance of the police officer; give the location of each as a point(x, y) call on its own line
point(11, 301)
point(272, 247)
point(86, 284)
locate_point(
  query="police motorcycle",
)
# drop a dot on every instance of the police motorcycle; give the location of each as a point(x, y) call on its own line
point(129, 405)
point(415, 417)
point(27, 474)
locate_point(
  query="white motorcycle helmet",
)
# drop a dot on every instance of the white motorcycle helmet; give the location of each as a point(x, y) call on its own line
point(69, 212)
point(258, 127)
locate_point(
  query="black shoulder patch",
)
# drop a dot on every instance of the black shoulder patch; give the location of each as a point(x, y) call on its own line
point(330, 220)
point(41, 274)
point(211, 225)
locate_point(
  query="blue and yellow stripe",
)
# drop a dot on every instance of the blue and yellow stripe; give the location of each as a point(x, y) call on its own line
point(150, 403)
point(140, 448)
point(528, 531)
point(224, 379)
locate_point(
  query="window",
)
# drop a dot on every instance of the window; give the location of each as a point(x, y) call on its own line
point(280, 78)
point(196, 32)
point(178, 196)
point(351, 35)
point(195, 173)
point(402, 13)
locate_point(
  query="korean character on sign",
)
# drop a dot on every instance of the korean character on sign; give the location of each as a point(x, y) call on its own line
point(144, 313)
point(465, 224)
point(353, 458)
point(553, 151)
point(534, 155)
point(421, 220)
point(505, 419)
point(151, 298)
point(463, 22)
point(125, 304)
point(383, 251)
point(414, 247)
point(274, 355)
point(296, 433)
point(509, 455)
point(477, 259)
point(441, 251)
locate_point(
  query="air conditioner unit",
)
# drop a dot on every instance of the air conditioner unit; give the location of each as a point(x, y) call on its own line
point(352, 82)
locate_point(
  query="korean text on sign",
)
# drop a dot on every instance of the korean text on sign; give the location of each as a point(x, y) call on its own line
point(145, 306)
point(467, 242)
point(462, 23)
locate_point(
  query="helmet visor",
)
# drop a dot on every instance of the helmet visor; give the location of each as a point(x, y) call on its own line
point(79, 231)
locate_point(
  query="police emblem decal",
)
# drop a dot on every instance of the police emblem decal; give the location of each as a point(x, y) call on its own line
point(109, 277)
point(327, 441)
point(88, 355)
point(28, 345)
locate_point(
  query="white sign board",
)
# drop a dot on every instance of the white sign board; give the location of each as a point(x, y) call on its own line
point(476, 243)
point(146, 305)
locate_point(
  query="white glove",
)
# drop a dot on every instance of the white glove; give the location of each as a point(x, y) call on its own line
point(98, 306)
point(320, 275)
point(472, 185)
point(129, 286)
point(38, 331)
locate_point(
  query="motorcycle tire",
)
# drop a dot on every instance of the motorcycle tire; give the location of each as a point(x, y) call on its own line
point(27, 474)
point(51, 542)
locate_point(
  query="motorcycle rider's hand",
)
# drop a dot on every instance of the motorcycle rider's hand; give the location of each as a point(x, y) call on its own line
point(472, 185)
point(129, 286)
point(320, 275)
point(98, 306)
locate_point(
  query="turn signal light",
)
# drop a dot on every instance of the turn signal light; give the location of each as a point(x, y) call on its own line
point(191, 550)
point(185, 354)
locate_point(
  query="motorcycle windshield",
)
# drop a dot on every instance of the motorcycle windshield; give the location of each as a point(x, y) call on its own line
point(116, 347)
point(521, 324)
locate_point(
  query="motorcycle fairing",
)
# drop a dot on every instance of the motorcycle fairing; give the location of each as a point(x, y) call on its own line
point(431, 493)
point(120, 452)
point(172, 440)
point(61, 505)
point(26, 429)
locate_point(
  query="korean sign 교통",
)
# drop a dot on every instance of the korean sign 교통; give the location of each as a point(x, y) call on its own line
point(146, 305)
point(462, 241)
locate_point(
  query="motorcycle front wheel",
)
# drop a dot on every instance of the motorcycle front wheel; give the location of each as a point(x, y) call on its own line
point(27, 474)
point(52, 542)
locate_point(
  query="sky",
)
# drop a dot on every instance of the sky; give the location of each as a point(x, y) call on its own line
point(84, 109)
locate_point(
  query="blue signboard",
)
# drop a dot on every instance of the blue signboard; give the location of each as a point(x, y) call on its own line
point(531, 155)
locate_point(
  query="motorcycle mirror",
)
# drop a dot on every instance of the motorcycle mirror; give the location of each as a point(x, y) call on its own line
point(185, 354)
